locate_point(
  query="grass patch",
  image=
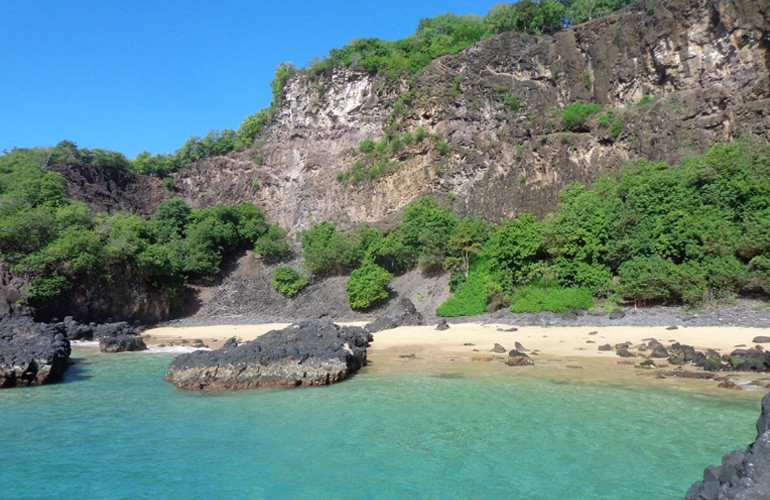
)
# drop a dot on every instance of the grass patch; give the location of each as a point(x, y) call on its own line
point(536, 299)
point(470, 297)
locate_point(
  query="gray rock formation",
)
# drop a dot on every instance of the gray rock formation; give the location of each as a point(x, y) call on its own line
point(405, 315)
point(31, 353)
point(744, 475)
point(315, 352)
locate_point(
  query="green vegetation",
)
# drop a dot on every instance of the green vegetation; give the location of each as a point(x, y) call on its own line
point(287, 281)
point(54, 244)
point(537, 298)
point(273, 245)
point(685, 234)
point(449, 34)
point(367, 285)
point(326, 251)
point(575, 115)
point(380, 157)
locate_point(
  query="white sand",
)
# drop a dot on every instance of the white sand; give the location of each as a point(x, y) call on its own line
point(558, 351)
point(561, 341)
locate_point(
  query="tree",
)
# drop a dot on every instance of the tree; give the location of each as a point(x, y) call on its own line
point(516, 252)
point(466, 242)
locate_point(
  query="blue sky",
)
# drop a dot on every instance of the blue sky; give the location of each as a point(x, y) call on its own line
point(146, 75)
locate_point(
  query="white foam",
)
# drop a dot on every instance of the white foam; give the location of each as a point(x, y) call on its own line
point(174, 349)
point(85, 343)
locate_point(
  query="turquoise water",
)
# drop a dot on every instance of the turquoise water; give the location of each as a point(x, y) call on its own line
point(115, 429)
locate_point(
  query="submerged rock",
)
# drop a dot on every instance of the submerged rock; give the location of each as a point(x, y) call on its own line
point(32, 353)
point(744, 475)
point(314, 352)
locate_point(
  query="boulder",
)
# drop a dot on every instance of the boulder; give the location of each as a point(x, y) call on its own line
point(32, 353)
point(405, 315)
point(518, 358)
point(762, 339)
point(498, 348)
point(605, 347)
point(442, 325)
point(122, 343)
point(569, 316)
point(314, 352)
point(76, 330)
point(742, 475)
point(617, 314)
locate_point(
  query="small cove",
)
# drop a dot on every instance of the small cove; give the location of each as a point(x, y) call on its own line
point(115, 429)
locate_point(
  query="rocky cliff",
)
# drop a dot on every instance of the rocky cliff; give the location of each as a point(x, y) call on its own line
point(671, 77)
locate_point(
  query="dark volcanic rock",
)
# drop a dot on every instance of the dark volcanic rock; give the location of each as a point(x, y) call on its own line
point(122, 343)
point(743, 475)
point(119, 337)
point(31, 353)
point(315, 352)
point(405, 315)
point(762, 339)
point(442, 325)
point(617, 314)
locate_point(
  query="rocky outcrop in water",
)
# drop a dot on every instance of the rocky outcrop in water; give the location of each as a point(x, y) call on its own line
point(314, 352)
point(32, 353)
point(119, 337)
point(744, 475)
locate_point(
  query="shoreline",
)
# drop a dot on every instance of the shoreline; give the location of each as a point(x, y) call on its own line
point(559, 352)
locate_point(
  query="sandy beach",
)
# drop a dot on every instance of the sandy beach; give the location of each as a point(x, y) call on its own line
point(569, 353)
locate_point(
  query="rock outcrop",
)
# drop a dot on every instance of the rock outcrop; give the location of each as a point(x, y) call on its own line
point(31, 353)
point(678, 76)
point(744, 475)
point(315, 352)
point(405, 315)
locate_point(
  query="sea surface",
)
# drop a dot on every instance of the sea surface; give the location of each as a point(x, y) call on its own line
point(115, 429)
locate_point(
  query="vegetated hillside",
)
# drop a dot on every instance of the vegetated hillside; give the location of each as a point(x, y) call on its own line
point(495, 130)
point(501, 127)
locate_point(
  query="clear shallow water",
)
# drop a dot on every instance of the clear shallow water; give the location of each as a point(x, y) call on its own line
point(115, 429)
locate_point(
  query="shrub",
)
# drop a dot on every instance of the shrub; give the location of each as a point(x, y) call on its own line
point(575, 115)
point(366, 146)
point(367, 285)
point(287, 281)
point(273, 245)
point(536, 299)
point(512, 101)
point(325, 250)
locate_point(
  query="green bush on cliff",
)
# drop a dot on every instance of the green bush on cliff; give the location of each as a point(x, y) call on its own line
point(574, 115)
point(287, 281)
point(367, 285)
point(325, 250)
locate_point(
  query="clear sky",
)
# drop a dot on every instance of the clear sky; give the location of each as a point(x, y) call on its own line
point(146, 75)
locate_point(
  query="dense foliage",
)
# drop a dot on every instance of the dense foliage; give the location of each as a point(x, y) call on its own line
point(449, 34)
point(367, 285)
point(688, 233)
point(54, 243)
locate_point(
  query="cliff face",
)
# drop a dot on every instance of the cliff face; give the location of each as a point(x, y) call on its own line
point(677, 77)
